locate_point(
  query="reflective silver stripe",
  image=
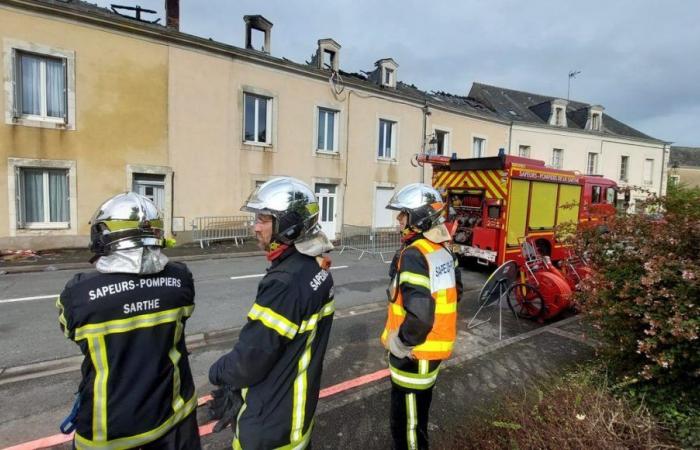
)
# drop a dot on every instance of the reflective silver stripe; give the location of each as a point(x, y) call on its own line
point(300, 392)
point(273, 320)
point(175, 356)
point(139, 439)
point(98, 355)
point(411, 422)
point(310, 323)
point(132, 323)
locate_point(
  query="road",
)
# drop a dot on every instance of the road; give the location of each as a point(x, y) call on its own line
point(40, 367)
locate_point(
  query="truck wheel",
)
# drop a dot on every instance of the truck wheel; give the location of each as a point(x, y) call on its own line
point(525, 301)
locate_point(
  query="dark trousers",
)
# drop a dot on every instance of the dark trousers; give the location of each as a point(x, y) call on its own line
point(409, 418)
point(183, 436)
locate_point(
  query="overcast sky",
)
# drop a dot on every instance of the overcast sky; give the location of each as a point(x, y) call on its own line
point(640, 59)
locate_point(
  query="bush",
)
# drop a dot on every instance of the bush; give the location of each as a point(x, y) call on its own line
point(643, 298)
point(576, 412)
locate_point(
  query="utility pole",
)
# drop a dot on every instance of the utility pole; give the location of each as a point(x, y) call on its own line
point(572, 74)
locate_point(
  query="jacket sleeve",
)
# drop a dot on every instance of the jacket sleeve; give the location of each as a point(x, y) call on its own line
point(458, 278)
point(414, 282)
point(272, 323)
point(65, 319)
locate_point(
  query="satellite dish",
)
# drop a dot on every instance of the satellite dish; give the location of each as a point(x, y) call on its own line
point(506, 275)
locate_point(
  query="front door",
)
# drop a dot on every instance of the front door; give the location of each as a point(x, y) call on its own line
point(326, 194)
point(151, 187)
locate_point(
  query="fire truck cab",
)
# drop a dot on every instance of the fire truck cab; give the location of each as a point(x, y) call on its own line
point(496, 202)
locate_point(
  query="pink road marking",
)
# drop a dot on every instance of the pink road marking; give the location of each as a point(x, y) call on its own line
point(207, 428)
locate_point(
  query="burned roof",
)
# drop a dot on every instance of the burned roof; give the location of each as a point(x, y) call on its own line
point(529, 108)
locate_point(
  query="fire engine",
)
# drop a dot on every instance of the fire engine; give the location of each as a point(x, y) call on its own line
point(496, 203)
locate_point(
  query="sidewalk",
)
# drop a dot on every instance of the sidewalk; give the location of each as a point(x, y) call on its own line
point(78, 258)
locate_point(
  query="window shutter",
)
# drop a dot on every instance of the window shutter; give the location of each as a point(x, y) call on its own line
point(16, 76)
point(19, 193)
point(65, 90)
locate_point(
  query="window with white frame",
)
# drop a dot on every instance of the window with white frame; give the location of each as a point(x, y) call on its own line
point(524, 151)
point(557, 116)
point(595, 122)
point(388, 76)
point(443, 142)
point(648, 171)
point(387, 139)
point(558, 158)
point(674, 180)
point(257, 119)
point(478, 147)
point(40, 84)
point(624, 167)
point(592, 166)
point(43, 198)
point(327, 133)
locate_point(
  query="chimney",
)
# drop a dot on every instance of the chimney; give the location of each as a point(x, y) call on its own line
point(328, 55)
point(257, 22)
point(172, 14)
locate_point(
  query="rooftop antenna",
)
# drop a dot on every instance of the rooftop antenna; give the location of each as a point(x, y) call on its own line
point(572, 74)
point(138, 10)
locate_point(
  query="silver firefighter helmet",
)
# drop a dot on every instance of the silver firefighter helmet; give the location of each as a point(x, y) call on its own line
point(422, 203)
point(292, 204)
point(126, 221)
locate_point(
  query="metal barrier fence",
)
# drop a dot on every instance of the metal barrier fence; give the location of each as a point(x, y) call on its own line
point(375, 241)
point(217, 228)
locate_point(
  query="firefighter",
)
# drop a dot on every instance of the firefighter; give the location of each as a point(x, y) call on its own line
point(275, 367)
point(128, 318)
point(421, 321)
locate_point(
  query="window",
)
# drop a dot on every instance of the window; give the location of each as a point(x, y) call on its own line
point(557, 117)
point(611, 196)
point(595, 122)
point(595, 194)
point(674, 180)
point(327, 130)
point(257, 119)
point(387, 139)
point(557, 158)
point(592, 166)
point(388, 77)
point(328, 59)
point(524, 151)
point(443, 142)
point(648, 171)
point(624, 167)
point(478, 147)
point(43, 198)
point(41, 86)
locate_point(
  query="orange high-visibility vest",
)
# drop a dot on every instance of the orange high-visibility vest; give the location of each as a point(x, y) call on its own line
point(442, 285)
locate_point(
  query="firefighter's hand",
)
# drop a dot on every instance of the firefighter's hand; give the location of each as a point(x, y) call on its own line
point(397, 347)
point(224, 407)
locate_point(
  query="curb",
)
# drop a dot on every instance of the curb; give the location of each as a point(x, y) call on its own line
point(85, 265)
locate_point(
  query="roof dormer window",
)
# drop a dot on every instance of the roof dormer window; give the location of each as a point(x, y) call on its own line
point(595, 118)
point(557, 115)
point(328, 55)
point(386, 72)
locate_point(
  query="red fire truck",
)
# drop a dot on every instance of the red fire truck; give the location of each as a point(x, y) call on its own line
point(495, 203)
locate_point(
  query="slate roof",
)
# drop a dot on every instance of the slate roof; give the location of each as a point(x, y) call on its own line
point(529, 108)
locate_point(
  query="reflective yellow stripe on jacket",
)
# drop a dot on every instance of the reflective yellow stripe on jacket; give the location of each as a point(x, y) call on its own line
point(95, 334)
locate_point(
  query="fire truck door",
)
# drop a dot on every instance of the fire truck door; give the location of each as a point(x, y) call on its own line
point(517, 210)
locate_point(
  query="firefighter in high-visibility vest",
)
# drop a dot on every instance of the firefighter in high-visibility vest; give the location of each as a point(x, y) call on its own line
point(128, 318)
point(421, 321)
point(270, 381)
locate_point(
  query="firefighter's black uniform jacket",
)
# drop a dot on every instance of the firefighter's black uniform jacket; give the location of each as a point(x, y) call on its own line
point(278, 358)
point(137, 383)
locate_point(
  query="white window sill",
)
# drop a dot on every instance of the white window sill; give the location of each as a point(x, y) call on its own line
point(387, 161)
point(257, 146)
point(46, 226)
point(42, 122)
point(327, 153)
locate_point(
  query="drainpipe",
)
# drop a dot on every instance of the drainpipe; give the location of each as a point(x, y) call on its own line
point(510, 137)
point(422, 147)
point(663, 161)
